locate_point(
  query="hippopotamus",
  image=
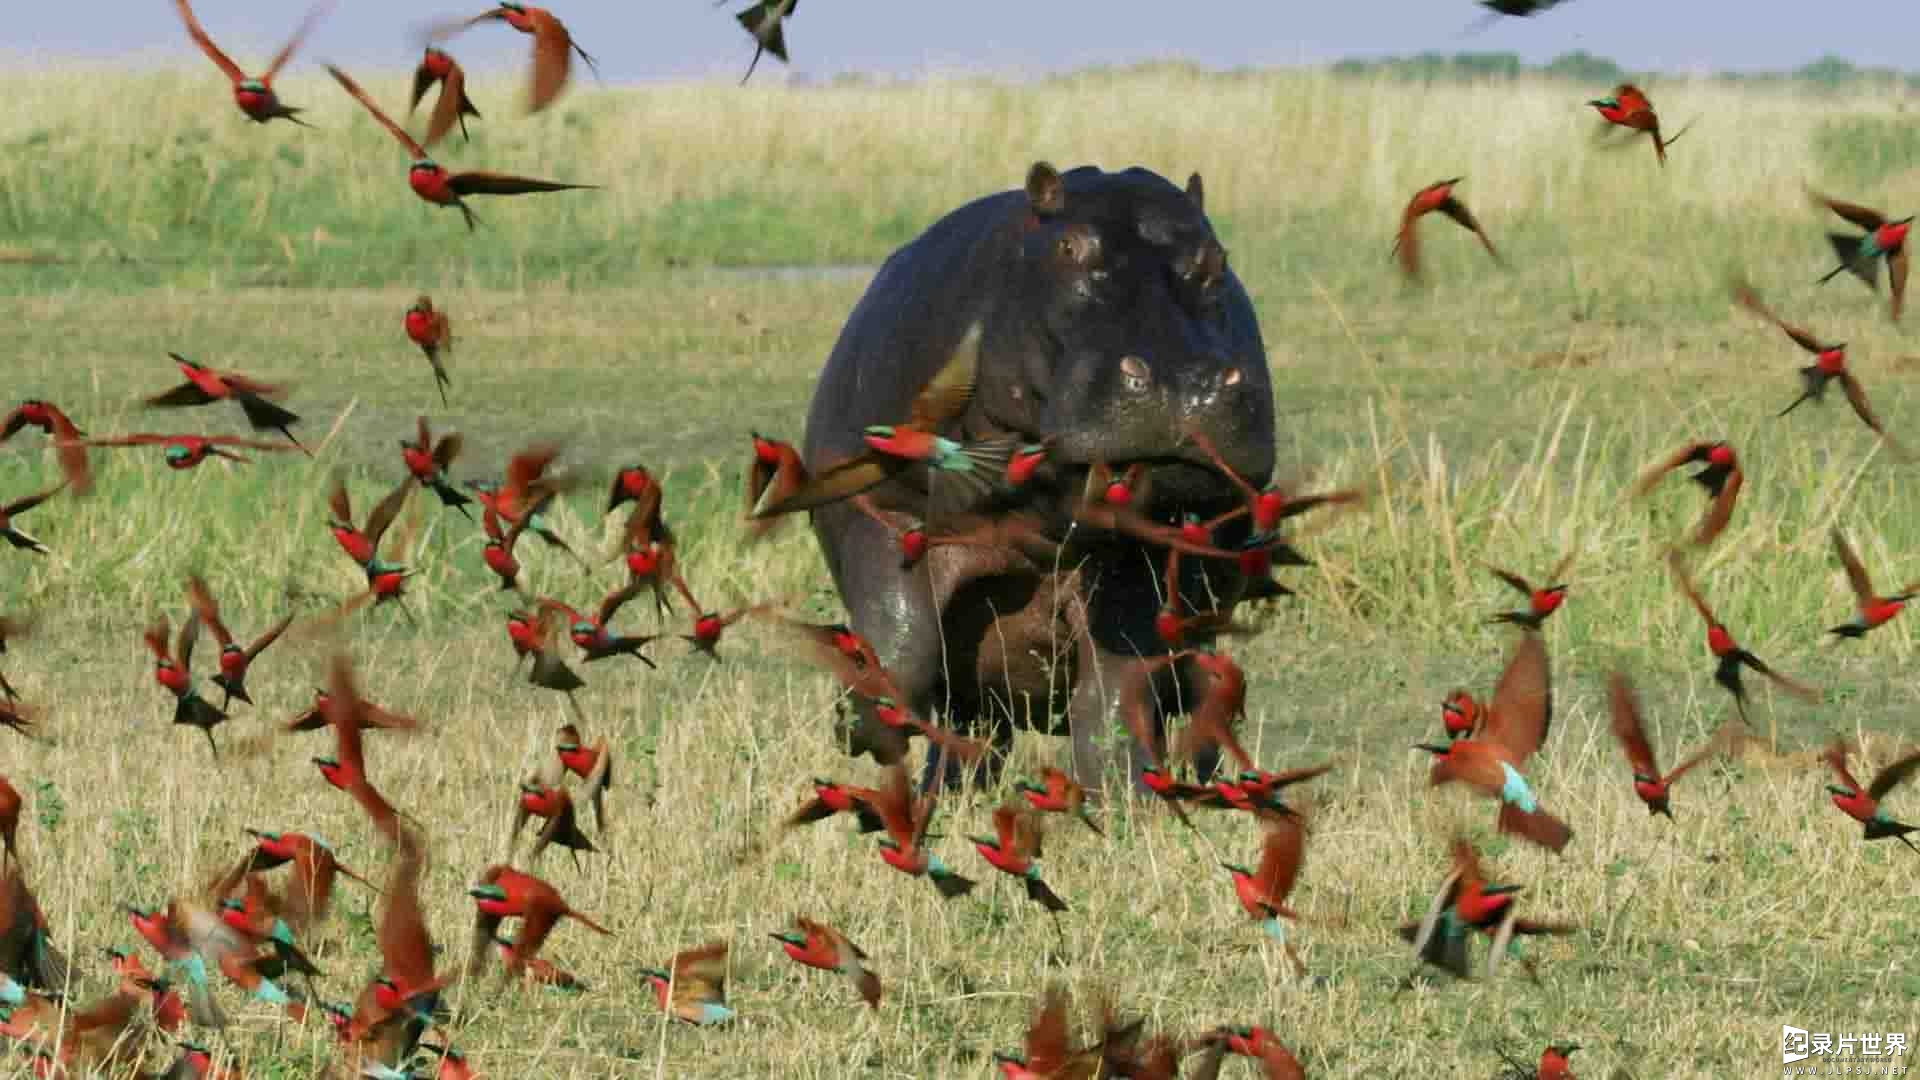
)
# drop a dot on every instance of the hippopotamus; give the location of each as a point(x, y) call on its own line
point(1108, 324)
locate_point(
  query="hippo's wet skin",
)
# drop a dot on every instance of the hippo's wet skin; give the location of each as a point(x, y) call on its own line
point(1110, 323)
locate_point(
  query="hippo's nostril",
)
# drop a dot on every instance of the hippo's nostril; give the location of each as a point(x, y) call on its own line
point(1232, 377)
point(1135, 372)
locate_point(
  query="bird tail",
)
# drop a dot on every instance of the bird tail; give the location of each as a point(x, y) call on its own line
point(1041, 893)
point(869, 985)
point(588, 923)
point(951, 884)
point(1275, 928)
point(1848, 249)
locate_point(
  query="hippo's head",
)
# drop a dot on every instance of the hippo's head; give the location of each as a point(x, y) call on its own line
point(1132, 331)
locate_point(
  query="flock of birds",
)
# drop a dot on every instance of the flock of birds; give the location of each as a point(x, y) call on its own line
point(245, 930)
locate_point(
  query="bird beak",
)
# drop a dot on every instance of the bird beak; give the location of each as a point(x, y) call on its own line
point(255, 833)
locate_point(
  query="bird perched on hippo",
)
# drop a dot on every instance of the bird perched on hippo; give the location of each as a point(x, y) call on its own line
point(1088, 323)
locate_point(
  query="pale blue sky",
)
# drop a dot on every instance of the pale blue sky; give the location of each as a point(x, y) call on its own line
point(651, 39)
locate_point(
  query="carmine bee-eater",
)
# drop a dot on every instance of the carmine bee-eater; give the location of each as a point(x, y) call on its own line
point(452, 107)
point(553, 805)
point(235, 661)
point(205, 386)
point(1555, 1063)
point(818, 945)
point(1253, 1042)
point(1873, 609)
point(1861, 255)
point(708, 626)
point(1490, 761)
point(1729, 656)
point(172, 670)
point(906, 820)
point(187, 451)
point(362, 544)
point(1829, 363)
point(1272, 505)
point(1467, 902)
point(1722, 478)
point(1629, 108)
point(405, 999)
point(776, 467)
point(347, 768)
point(429, 329)
point(309, 892)
point(505, 893)
point(452, 1063)
point(27, 952)
point(592, 763)
point(538, 971)
point(1020, 531)
point(1435, 197)
point(1175, 629)
point(254, 94)
point(1058, 793)
point(1863, 804)
point(369, 715)
point(765, 22)
point(10, 804)
point(1263, 892)
point(553, 46)
point(169, 1012)
point(959, 474)
point(433, 183)
point(1049, 1053)
point(1498, 9)
point(634, 484)
point(831, 797)
point(9, 511)
point(1649, 783)
point(501, 541)
point(1014, 847)
point(549, 671)
point(69, 448)
point(693, 988)
point(590, 633)
point(427, 462)
point(1460, 714)
point(1542, 601)
point(255, 918)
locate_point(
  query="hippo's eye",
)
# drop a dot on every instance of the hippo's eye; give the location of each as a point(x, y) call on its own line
point(1078, 246)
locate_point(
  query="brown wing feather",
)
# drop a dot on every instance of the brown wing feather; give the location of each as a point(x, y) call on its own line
point(1047, 1037)
point(200, 38)
point(1857, 397)
point(1720, 511)
point(398, 132)
point(293, 43)
point(204, 606)
point(947, 395)
point(386, 511)
point(1406, 243)
point(1897, 272)
point(552, 59)
point(1522, 705)
point(1654, 472)
point(1624, 705)
point(1281, 853)
point(446, 109)
point(1894, 774)
point(1744, 295)
point(1857, 578)
point(1864, 216)
point(1458, 211)
point(1836, 759)
point(1685, 581)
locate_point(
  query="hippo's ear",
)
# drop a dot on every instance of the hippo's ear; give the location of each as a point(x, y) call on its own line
point(1197, 192)
point(1046, 195)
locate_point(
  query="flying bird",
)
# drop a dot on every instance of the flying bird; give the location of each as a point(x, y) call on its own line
point(1863, 804)
point(1861, 255)
point(1729, 656)
point(254, 94)
point(1437, 196)
point(1542, 601)
point(1874, 610)
point(1629, 108)
point(204, 386)
point(1649, 783)
point(1722, 478)
point(1829, 363)
point(553, 46)
point(429, 329)
point(435, 184)
point(453, 106)
point(764, 21)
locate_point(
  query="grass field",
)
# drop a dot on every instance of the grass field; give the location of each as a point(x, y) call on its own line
point(1500, 415)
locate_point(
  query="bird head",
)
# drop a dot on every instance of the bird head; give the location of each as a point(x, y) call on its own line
point(253, 86)
point(176, 452)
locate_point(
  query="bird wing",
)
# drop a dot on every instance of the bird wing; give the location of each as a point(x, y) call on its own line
point(1836, 758)
point(615, 600)
point(1652, 474)
point(271, 635)
point(1458, 211)
point(1472, 763)
point(446, 110)
point(1281, 853)
point(423, 80)
point(552, 59)
point(1897, 275)
point(1857, 397)
point(493, 183)
point(246, 444)
point(1714, 746)
point(1891, 777)
point(1685, 582)
point(1624, 705)
point(1522, 705)
point(893, 803)
point(1212, 720)
point(405, 946)
point(142, 439)
point(1720, 511)
point(1406, 242)
point(535, 929)
point(21, 506)
point(1047, 1036)
point(183, 648)
point(1857, 578)
point(206, 44)
point(1864, 216)
point(338, 503)
point(293, 43)
point(398, 132)
point(208, 611)
point(449, 445)
point(1514, 581)
point(386, 510)
point(947, 394)
point(701, 974)
point(186, 394)
point(1744, 295)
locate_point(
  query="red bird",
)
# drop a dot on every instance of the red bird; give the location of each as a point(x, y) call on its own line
point(1874, 610)
point(254, 95)
point(68, 446)
point(435, 184)
point(234, 660)
point(427, 462)
point(1629, 108)
point(1729, 657)
point(553, 47)
point(187, 451)
point(1722, 478)
point(1437, 196)
point(1861, 255)
point(171, 669)
point(1541, 601)
point(1648, 781)
point(19, 506)
point(204, 386)
point(453, 106)
point(1863, 804)
point(1829, 364)
point(818, 945)
point(430, 330)
point(505, 893)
